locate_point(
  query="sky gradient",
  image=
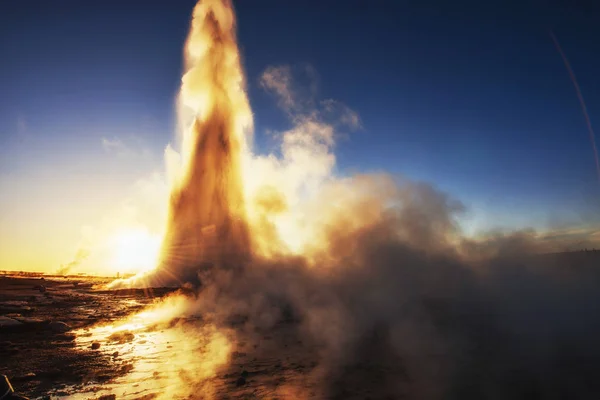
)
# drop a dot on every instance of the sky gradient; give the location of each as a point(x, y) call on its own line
point(471, 97)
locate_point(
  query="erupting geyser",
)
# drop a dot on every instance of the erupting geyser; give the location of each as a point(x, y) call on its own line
point(207, 224)
point(357, 286)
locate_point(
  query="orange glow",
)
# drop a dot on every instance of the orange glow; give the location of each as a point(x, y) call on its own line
point(189, 355)
point(135, 250)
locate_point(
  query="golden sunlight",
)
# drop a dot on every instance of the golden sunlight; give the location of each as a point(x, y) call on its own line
point(135, 250)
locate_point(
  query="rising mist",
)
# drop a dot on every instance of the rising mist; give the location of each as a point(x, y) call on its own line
point(368, 276)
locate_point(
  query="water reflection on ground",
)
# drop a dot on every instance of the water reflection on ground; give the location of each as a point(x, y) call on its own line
point(155, 360)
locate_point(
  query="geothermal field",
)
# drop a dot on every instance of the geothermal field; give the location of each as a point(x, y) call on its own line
point(277, 279)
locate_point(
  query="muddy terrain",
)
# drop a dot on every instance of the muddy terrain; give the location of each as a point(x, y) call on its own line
point(38, 317)
point(73, 338)
point(58, 340)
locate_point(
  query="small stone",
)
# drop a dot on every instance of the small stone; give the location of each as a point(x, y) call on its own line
point(68, 337)
point(121, 337)
point(31, 320)
point(27, 377)
point(115, 354)
point(59, 326)
point(127, 368)
point(244, 374)
point(240, 381)
point(108, 397)
point(6, 322)
point(95, 346)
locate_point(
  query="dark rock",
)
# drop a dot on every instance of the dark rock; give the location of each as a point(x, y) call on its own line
point(122, 337)
point(240, 381)
point(6, 322)
point(59, 326)
point(95, 346)
point(68, 337)
point(108, 397)
point(24, 378)
point(115, 354)
point(127, 368)
point(244, 374)
point(31, 321)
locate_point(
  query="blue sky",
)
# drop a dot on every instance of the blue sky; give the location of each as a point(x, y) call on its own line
point(471, 96)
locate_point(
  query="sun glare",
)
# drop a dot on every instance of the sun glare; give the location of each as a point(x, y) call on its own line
point(135, 250)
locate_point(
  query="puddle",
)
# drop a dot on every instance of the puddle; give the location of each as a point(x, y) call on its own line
point(155, 360)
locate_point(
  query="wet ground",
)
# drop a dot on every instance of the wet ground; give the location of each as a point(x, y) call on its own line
point(40, 323)
point(70, 338)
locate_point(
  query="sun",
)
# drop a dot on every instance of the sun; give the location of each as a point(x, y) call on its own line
point(135, 250)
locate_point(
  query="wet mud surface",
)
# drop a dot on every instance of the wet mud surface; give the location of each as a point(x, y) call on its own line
point(74, 340)
point(70, 338)
point(39, 322)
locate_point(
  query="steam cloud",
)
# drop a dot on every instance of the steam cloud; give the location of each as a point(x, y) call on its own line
point(80, 256)
point(366, 277)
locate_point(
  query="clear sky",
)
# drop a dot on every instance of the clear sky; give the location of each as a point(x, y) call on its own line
point(469, 95)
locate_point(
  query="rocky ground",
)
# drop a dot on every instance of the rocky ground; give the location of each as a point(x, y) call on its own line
point(53, 345)
point(38, 318)
point(70, 338)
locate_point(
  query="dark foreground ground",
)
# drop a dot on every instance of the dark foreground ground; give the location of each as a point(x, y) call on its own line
point(38, 350)
point(527, 336)
point(50, 347)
